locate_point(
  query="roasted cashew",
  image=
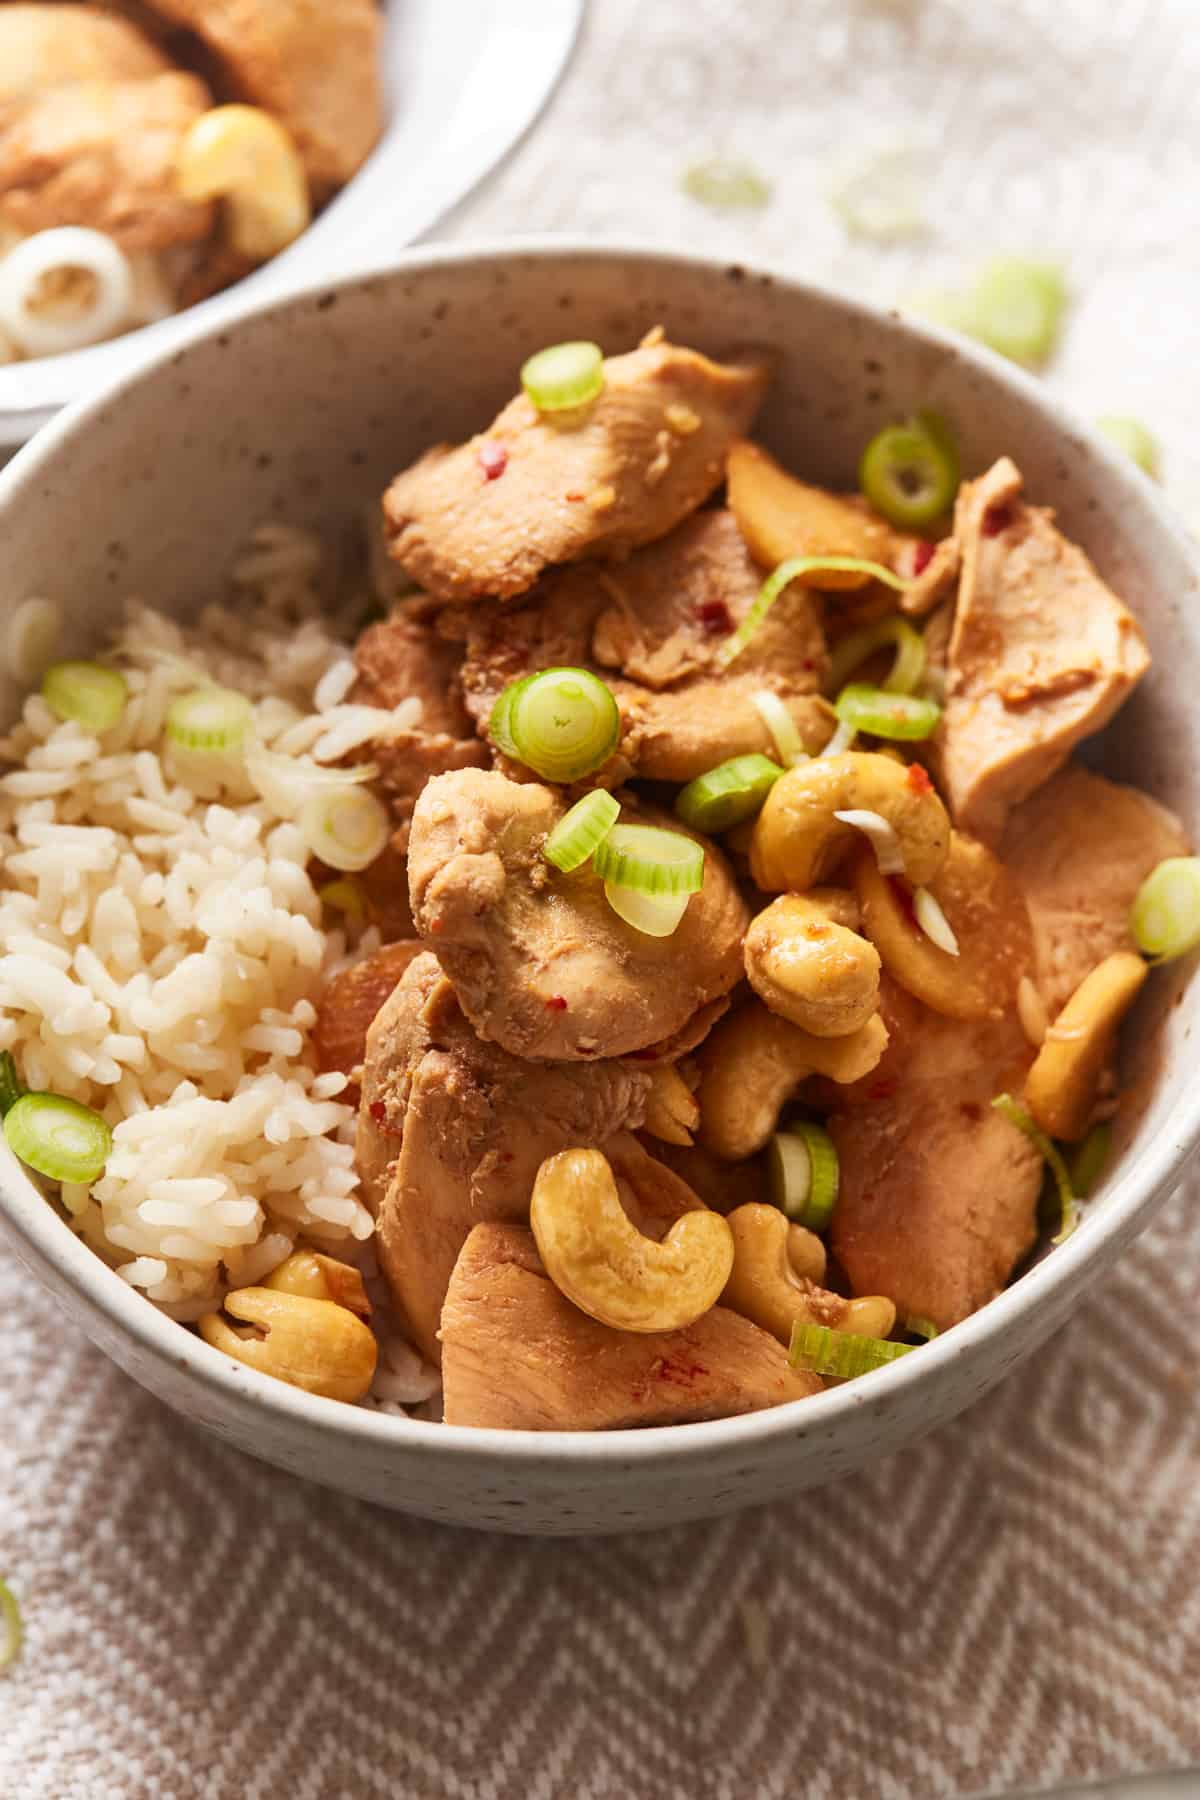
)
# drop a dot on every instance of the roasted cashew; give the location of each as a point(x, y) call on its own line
point(313, 1344)
point(799, 840)
point(806, 1253)
point(753, 1061)
point(318, 1277)
point(596, 1256)
point(671, 1110)
point(987, 913)
point(806, 959)
point(243, 156)
point(765, 1288)
point(1061, 1087)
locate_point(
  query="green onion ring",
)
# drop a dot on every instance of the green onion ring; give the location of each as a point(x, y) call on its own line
point(651, 860)
point(561, 723)
point(58, 1138)
point(782, 577)
point(564, 376)
point(841, 1354)
point(725, 796)
point(1016, 1115)
point(907, 668)
point(1165, 916)
point(884, 715)
point(86, 693)
point(581, 830)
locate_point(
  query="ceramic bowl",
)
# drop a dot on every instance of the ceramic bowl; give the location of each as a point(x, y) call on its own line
point(303, 408)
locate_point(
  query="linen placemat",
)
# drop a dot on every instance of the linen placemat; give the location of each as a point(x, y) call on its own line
point(1012, 1604)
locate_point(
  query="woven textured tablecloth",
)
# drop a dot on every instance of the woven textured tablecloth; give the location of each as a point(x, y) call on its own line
point(1012, 1604)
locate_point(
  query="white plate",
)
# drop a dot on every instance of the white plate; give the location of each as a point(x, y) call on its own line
point(465, 79)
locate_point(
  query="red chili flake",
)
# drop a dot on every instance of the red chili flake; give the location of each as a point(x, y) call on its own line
point(904, 900)
point(918, 779)
point(882, 1090)
point(557, 1003)
point(713, 617)
point(380, 1116)
point(809, 663)
point(378, 1111)
point(995, 520)
point(643, 1055)
point(922, 557)
point(681, 1373)
point(493, 459)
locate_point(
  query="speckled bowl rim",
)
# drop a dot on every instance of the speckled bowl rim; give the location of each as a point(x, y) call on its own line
point(1135, 1192)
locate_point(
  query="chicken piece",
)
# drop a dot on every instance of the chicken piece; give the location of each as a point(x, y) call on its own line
point(385, 887)
point(452, 1131)
point(720, 1185)
point(313, 63)
point(399, 659)
point(518, 1356)
point(540, 961)
point(659, 620)
point(102, 154)
point(348, 1005)
point(1041, 655)
point(938, 1193)
point(935, 570)
point(42, 46)
point(619, 473)
point(1080, 849)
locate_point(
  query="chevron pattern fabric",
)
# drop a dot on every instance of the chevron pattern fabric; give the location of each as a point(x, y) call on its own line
point(1010, 1605)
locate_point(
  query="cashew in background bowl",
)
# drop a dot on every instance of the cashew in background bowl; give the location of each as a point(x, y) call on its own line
point(765, 1287)
point(804, 956)
point(799, 839)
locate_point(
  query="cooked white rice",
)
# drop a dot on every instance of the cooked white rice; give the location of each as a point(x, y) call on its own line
point(162, 948)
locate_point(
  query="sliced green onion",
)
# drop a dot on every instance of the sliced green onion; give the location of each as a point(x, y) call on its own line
point(657, 915)
point(885, 715)
point(802, 1170)
point(91, 695)
point(1165, 919)
point(1016, 1115)
point(841, 740)
point(346, 896)
point(1091, 1159)
point(878, 200)
point(1018, 305)
point(564, 376)
point(347, 827)
point(581, 830)
point(733, 791)
point(1131, 436)
point(885, 840)
point(909, 473)
point(726, 184)
point(10, 1612)
point(923, 1328)
point(286, 782)
point(908, 665)
point(840, 1353)
point(928, 913)
point(211, 718)
point(650, 860)
point(561, 723)
point(782, 727)
point(11, 1085)
point(59, 1138)
point(782, 577)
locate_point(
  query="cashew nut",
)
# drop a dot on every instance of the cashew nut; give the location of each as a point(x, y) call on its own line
point(244, 156)
point(806, 1253)
point(765, 1288)
point(318, 1277)
point(987, 914)
point(313, 1344)
point(799, 840)
point(1062, 1085)
point(805, 958)
point(671, 1110)
point(595, 1255)
point(753, 1061)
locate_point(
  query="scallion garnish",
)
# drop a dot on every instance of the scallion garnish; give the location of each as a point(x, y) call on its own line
point(733, 791)
point(58, 1137)
point(11, 1085)
point(782, 577)
point(922, 1328)
point(841, 1354)
point(1018, 305)
point(1165, 918)
point(1091, 1159)
point(564, 376)
point(650, 860)
point(885, 839)
point(85, 692)
point(872, 709)
point(1131, 436)
point(10, 1612)
point(1016, 1115)
point(802, 1170)
point(726, 184)
point(927, 910)
point(561, 723)
point(779, 722)
point(908, 664)
point(909, 473)
point(210, 718)
point(656, 915)
point(347, 827)
point(581, 830)
point(345, 896)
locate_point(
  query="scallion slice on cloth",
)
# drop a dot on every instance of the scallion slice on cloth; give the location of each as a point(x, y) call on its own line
point(10, 1613)
point(1131, 436)
point(1018, 305)
point(1016, 1115)
point(59, 1138)
point(884, 838)
point(782, 577)
point(733, 791)
point(581, 830)
point(561, 723)
point(563, 376)
point(896, 633)
point(347, 827)
point(1091, 1159)
point(85, 692)
point(1165, 919)
point(726, 184)
point(657, 915)
point(779, 722)
point(210, 718)
point(651, 860)
point(11, 1085)
point(840, 1353)
point(802, 1170)
point(909, 473)
point(879, 198)
point(884, 715)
